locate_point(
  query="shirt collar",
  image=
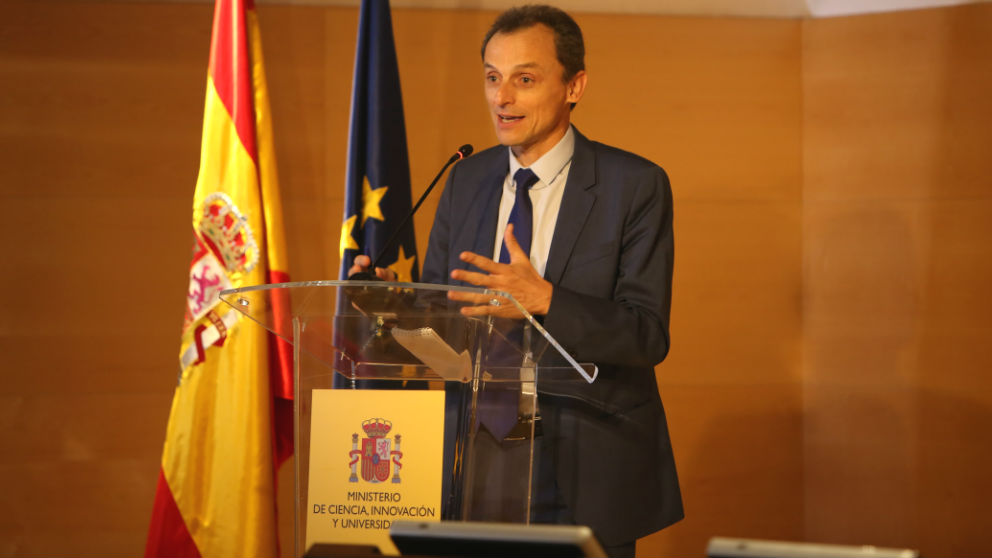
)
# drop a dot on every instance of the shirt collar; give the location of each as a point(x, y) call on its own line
point(550, 165)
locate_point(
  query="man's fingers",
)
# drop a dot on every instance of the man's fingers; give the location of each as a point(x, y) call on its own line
point(475, 278)
point(474, 298)
point(512, 246)
point(359, 264)
point(501, 311)
point(355, 269)
point(481, 310)
point(481, 262)
point(481, 303)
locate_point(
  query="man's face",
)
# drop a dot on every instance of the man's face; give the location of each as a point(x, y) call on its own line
point(528, 101)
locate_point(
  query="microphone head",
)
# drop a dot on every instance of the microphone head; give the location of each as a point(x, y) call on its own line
point(465, 151)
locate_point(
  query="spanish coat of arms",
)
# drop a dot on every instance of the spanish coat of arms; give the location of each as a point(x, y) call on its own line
point(376, 453)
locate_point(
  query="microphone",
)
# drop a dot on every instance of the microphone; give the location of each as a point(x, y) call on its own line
point(463, 151)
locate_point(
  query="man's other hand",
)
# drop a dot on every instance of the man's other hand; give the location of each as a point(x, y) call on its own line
point(518, 278)
point(362, 263)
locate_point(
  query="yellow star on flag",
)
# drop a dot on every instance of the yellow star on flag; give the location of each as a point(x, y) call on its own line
point(403, 267)
point(346, 239)
point(370, 201)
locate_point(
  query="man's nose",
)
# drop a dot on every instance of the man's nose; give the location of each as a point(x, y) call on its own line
point(504, 94)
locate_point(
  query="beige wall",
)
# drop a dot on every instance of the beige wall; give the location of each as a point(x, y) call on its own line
point(896, 259)
point(832, 222)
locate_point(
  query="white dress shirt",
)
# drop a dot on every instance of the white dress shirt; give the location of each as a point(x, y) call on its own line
point(545, 196)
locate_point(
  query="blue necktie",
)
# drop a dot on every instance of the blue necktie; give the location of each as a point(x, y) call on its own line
point(522, 214)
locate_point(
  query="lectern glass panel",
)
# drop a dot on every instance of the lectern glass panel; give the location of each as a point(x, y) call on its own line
point(405, 338)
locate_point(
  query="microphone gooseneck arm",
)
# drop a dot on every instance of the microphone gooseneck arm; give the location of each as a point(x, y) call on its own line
point(463, 151)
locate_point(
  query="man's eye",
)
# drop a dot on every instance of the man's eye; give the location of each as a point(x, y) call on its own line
point(526, 79)
point(491, 79)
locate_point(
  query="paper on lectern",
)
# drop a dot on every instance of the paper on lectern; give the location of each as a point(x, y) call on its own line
point(425, 344)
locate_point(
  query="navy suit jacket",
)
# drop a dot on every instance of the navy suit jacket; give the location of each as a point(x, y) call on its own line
point(610, 264)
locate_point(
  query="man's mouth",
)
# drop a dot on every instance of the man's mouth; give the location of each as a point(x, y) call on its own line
point(507, 118)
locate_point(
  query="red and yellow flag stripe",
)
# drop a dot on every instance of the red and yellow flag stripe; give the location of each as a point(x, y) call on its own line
point(229, 425)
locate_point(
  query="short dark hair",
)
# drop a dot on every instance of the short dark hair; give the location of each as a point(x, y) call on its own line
point(569, 47)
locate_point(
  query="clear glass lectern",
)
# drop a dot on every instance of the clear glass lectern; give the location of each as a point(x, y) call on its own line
point(410, 337)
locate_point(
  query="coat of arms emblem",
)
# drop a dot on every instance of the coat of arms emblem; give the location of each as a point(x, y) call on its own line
point(376, 454)
point(224, 252)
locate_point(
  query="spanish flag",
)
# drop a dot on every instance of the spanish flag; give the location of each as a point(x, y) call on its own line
point(231, 423)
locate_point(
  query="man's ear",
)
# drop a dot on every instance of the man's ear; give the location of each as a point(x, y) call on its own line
point(576, 87)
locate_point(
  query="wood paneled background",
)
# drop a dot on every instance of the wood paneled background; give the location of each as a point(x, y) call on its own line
point(829, 375)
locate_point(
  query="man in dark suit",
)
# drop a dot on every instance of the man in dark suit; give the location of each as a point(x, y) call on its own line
point(580, 234)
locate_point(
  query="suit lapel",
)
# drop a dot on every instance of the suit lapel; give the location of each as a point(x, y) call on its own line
point(576, 203)
point(486, 209)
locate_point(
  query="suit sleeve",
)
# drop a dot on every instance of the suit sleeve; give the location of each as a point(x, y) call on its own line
point(628, 326)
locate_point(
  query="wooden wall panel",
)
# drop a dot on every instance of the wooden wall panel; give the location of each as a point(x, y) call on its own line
point(831, 211)
point(100, 110)
point(898, 205)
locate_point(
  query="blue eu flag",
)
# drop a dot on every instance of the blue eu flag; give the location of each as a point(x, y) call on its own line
point(377, 188)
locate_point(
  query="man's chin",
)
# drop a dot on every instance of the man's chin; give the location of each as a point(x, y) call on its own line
point(509, 140)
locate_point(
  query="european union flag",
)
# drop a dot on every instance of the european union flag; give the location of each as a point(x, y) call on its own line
point(377, 189)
